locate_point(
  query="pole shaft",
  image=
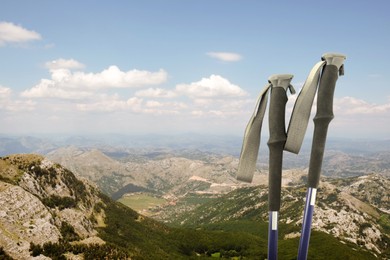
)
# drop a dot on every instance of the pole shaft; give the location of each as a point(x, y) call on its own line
point(273, 236)
point(306, 224)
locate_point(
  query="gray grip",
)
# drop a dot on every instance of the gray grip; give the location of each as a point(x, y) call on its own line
point(277, 139)
point(321, 120)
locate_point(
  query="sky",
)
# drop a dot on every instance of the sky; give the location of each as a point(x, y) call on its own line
point(174, 66)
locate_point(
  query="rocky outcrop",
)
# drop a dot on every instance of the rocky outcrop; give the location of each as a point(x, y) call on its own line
point(24, 220)
point(37, 199)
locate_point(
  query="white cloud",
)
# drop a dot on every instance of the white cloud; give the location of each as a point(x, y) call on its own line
point(64, 64)
point(11, 33)
point(8, 104)
point(154, 104)
point(214, 86)
point(20, 105)
point(156, 93)
point(225, 56)
point(356, 117)
point(49, 89)
point(4, 92)
point(134, 104)
point(359, 107)
point(164, 108)
point(67, 84)
point(112, 103)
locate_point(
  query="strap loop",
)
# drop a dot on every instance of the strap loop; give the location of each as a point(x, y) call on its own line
point(251, 143)
point(292, 89)
point(302, 109)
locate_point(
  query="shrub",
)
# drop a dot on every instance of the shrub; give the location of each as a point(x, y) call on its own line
point(4, 255)
point(60, 202)
point(68, 233)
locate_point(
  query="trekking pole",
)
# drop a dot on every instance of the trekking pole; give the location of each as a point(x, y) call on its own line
point(278, 85)
point(276, 142)
point(332, 68)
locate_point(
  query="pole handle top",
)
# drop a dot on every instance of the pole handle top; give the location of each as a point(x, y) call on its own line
point(336, 59)
point(281, 80)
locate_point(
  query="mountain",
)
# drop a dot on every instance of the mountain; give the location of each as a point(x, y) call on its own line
point(195, 146)
point(46, 212)
point(354, 210)
point(161, 169)
point(49, 213)
point(159, 172)
point(25, 144)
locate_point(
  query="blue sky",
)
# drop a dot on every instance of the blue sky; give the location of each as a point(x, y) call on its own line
point(81, 67)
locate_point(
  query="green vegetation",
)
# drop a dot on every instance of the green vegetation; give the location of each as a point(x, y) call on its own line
point(195, 199)
point(77, 187)
point(322, 245)
point(144, 238)
point(332, 197)
point(4, 255)
point(60, 202)
point(129, 188)
point(110, 184)
point(56, 251)
point(141, 201)
point(384, 221)
point(9, 172)
point(239, 238)
point(362, 227)
point(68, 233)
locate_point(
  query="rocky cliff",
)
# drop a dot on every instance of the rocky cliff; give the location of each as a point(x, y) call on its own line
point(39, 200)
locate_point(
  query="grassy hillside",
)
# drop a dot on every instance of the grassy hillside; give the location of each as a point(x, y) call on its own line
point(245, 210)
point(322, 245)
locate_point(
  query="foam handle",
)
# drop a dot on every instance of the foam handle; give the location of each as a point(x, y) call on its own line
point(276, 142)
point(321, 120)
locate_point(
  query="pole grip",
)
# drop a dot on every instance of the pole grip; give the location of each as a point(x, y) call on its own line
point(277, 137)
point(321, 120)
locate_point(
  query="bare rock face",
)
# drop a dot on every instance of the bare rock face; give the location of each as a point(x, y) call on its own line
point(37, 198)
point(24, 219)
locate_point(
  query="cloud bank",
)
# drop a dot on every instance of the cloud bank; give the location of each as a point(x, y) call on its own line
point(124, 100)
point(68, 82)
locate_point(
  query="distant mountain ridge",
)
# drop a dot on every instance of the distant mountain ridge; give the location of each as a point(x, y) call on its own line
point(163, 170)
point(226, 145)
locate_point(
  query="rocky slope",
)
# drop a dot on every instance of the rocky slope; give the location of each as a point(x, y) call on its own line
point(162, 173)
point(355, 210)
point(38, 199)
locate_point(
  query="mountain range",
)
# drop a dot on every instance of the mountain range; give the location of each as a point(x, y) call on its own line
point(48, 212)
point(187, 191)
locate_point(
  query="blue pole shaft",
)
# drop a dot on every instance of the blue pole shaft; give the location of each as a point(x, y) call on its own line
point(273, 235)
point(306, 225)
